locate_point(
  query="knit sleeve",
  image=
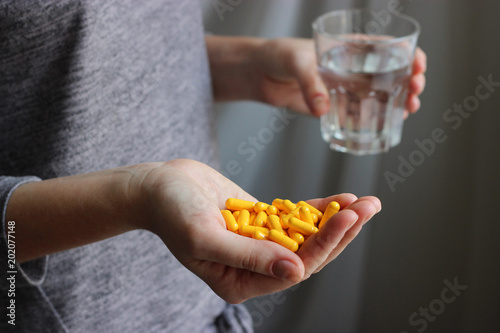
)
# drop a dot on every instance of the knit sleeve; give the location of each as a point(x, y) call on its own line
point(31, 272)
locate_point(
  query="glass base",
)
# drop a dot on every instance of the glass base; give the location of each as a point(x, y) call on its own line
point(357, 150)
point(363, 147)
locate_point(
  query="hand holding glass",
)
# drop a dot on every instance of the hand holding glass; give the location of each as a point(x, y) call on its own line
point(366, 66)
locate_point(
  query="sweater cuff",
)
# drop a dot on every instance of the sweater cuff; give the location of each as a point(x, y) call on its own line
point(32, 272)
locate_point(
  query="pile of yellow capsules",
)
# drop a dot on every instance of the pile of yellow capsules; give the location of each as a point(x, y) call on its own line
point(284, 222)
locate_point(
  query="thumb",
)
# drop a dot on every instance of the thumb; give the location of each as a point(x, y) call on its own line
point(260, 256)
point(312, 86)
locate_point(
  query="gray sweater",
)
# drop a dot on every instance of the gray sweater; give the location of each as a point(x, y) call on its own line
point(91, 85)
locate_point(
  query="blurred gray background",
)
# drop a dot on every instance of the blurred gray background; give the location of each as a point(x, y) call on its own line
point(430, 261)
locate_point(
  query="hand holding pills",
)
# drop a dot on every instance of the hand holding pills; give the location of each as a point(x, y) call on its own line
point(183, 200)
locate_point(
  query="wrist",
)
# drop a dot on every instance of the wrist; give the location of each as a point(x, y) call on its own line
point(232, 66)
point(63, 213)
point(135, 193)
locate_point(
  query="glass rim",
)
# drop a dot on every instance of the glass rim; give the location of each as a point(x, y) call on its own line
point(410, 19)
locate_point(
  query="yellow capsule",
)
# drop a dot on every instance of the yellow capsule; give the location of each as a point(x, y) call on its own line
point(296, 236)
point(272, 210)
point(284, 220)
point(304, 228)
point(283, 240)
point(332, 209)
point(296, 212)
point(260, 233)
point(305, 215)
point(278, 203)
point(313, 209)
point(239, 204)
point(260, 206)
point(244, 218)
point(288, 206)
point(252, 218)
point(231, 223)
point(315, 218)
point(283, 216)
point(248, 230)
point(236, 214)
point(273, 222)
point(260, 219)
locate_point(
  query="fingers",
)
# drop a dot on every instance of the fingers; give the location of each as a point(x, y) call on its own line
point(315, 251)
point(373, 200)
point(219, 256)
point(273, 260)
point(412, 104)
point(344, 200)
point(346, 240)
point(419, 62)
point(337, 233)
point(303, 67)
point(314, 91)
point(267, 258)
point(415, 88)
point(364, 217)
point(417, 84)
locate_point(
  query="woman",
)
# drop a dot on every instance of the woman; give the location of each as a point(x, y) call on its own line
point(108, 153)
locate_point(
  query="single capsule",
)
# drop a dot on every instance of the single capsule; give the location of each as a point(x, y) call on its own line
point(288, 206)
point(296, 236)
point(239, 204)
point(260, 206)
point(284, 220)
point(304, 228)
point(273, 222)
point(248, 230)
point(252, 218)
point(332, 209)
point(272, 210)
point(278, 203)
point(283, 216)
point(244, 218)
point(236, 214)
point(315, 218)
point(305, 215)
point(283, 240)
point(231, 223)
point(260, 219)
point(296, 212)
point(313, 209)
point(260, 233)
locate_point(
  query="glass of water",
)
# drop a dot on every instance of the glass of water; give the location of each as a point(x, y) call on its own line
point(365, 60)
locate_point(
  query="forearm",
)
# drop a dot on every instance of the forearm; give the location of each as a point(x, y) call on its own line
point(63, 213)
point(231, 66)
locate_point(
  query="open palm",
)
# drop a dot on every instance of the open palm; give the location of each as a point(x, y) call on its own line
point(184, 199)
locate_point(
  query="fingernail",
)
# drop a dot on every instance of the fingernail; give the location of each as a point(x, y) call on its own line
point(285, 270)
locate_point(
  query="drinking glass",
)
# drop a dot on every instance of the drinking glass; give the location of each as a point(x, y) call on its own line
point(365, 60)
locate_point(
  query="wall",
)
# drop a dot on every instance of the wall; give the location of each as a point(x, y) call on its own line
point(437, 228)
